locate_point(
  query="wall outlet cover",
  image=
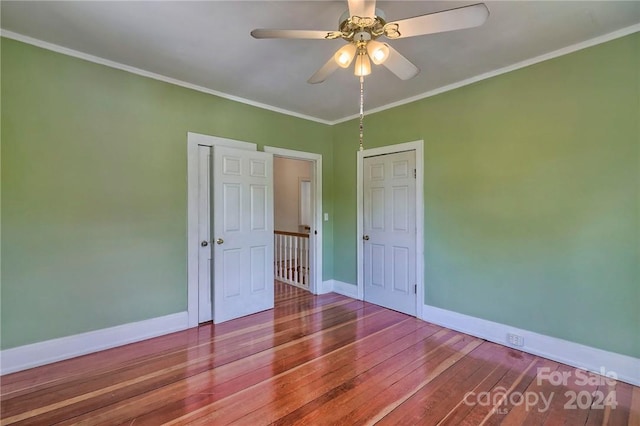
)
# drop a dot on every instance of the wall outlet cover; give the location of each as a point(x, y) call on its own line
point(515, 339)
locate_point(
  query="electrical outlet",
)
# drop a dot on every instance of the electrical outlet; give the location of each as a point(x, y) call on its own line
point(515, 339)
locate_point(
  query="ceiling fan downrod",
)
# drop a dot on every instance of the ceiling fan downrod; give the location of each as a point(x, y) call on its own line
point(361, 111)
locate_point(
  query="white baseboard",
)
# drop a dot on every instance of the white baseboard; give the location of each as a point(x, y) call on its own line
point(576, 355)
point(36, 354)
point(325, 287)
point(345, 289)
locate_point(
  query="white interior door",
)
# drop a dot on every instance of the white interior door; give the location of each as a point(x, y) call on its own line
point(204, 233)
point(243, 232)
point(390, 231)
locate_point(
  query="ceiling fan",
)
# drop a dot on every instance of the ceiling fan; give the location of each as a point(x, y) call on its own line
point(363, 24)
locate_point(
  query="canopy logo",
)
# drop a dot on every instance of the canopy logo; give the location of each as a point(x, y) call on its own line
point(600, 396)
point(580, 377)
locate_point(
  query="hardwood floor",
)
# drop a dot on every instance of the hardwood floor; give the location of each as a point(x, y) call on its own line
point(313, 360)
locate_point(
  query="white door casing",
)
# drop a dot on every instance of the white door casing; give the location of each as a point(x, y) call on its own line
point(205, 309)
point(418, 147)
point(243, 232)
point(390, 231)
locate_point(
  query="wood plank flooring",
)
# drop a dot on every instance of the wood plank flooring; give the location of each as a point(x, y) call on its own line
point(313, 360)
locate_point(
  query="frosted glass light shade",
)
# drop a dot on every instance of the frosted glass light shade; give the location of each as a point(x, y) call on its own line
point(344, 55)
point(363, 65)
point(378, 52)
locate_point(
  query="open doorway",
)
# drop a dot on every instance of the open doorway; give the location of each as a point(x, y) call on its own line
point(293, 219)
point(297, 219)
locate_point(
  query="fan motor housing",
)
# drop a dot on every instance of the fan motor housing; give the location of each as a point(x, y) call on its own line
point(357, 28)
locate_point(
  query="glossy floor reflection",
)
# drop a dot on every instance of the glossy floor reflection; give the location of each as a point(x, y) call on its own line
point(314, 360)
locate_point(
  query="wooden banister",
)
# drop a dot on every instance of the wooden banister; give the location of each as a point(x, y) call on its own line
point(293, 234)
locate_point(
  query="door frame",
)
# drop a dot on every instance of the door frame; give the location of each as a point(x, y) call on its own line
point(316, 159)
point(193, 243)
point(418, 147)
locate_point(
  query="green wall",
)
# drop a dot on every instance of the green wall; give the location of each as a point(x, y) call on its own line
point(532, 195)
point(94, 190)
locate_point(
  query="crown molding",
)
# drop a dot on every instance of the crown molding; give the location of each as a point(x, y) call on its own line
point(117, 65)
point(532, 61)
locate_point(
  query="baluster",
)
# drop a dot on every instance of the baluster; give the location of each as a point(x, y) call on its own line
point(303, 261)
point(296, 268)
point(281, 264)
point(288, 256)
point(285, 257)
point(279, 256)
point(306, 261)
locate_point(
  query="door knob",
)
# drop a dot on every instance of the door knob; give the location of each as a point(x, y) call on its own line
point(366, 238)
point(219, 241)
point(204, 243)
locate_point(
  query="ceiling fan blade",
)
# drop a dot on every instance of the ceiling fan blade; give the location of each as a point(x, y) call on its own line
point(438, 22)
point(324, 72)
point(308, 34)
point(362, 8)
point(399, 65)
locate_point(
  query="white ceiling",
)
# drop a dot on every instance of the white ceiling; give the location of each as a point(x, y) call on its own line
point(208, 44)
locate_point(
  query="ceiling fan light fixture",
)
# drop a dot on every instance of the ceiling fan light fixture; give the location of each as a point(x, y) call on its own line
point(362, 24)
point(344, 56)
point(378, 52)
point(363, 65)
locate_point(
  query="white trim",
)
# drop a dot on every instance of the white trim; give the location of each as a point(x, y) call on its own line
point(588, 358)
point(292, 153)
point(133, 70)
point(193, 140)
point(622, 32)
point(345, 289)
point(494, 73)
point(326, 287)
point(316, 265)
point(208, 140)
point(418, 147)
point(36, 354)
point(359, 224)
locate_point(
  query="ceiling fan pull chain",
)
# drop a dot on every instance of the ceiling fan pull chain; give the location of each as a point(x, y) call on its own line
point(361, 110)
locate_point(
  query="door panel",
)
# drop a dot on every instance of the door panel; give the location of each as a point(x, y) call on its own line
point(243, 232)
point(390, 225)
point(399, 209)
point(377, 209)
point(258, 208)
point(400, 266)
point(258, 267)
point(258, 168)
point(232, 207)
point(377, 265)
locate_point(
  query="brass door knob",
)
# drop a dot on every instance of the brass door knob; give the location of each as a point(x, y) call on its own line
point(366, 238)
point(219, 241)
